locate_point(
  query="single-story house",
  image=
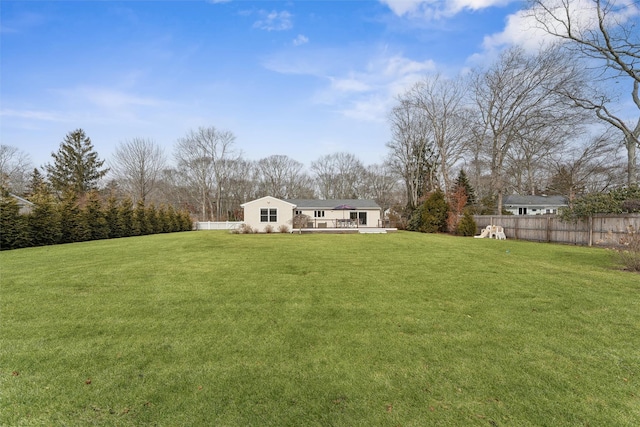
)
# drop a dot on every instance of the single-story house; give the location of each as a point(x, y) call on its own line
point(534, 205)
point(310, 213)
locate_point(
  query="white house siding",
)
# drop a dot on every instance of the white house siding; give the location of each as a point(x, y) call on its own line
point(252, 213)
point(533, 210)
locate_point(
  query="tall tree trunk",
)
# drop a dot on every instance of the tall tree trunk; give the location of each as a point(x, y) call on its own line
point(632, 174)
point(631, 142)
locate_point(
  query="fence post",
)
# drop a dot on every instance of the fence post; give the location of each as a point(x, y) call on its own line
point(590, 230)
point(548, 229)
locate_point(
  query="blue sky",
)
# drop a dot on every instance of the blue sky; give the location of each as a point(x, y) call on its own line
point(301, 78)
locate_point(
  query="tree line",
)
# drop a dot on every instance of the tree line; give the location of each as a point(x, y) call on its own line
point(525, 123)
point(209, 177)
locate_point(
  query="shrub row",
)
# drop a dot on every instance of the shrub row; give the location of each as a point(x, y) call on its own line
point(269, 229)
point(70, 219)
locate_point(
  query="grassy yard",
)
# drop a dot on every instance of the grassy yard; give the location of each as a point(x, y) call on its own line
point(405, 329)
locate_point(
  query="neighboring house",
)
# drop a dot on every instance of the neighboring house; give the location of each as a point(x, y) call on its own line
point(534, 205)
point(344, 213)
point(25, 206)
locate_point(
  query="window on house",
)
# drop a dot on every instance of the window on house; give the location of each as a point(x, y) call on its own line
point(318, 214)
point(358, 217)
point(362, 218)
point(298, 212)
point(268, 215)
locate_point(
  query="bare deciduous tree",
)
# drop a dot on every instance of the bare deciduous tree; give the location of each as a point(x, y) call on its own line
point(381, 185)
point(15, 166)
point(137, 165)
point(412, 153)
point(203, 157)
point(284, 178)
point(529, 157)
point(516, 97)
point(338, 176)
point(173, 189)
point(441, 101)
point(586, 166)
point(604, 32)
point(241, 185)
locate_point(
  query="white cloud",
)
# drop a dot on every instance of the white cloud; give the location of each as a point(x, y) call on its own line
point(274, 21)
point(459, 5)
point(31, 115)
point(436, 9)
point(523, 29)
point(373, 108)
point(520, 29)
point(368, 94)
point(356, 81)
point(349, 84)
point(108, 98)
point(402, 7)
point(300, 40)
point(351, 81)
point(400, 66)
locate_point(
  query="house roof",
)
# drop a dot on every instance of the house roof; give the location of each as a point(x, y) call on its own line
point(263, 199)
point(332, 203)
point(517, 200)
point(21, 201)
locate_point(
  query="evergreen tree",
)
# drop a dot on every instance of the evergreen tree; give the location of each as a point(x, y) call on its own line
point(73, 228)
point(76, 165)
point(434, 213)
point(44, 220)
point(467, 225)
point(415, 219)
point(563, 183)
point(163, 224)
point(37, 184)
point(172, 220)
point(141, 224)
point(13, 228)
point(94, 217)
point(125, 218)
point(463, 181)
point(152, 220)
point(111, 217)
point(186, 223)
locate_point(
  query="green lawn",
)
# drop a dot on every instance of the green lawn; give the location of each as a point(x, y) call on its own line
point(404, 329)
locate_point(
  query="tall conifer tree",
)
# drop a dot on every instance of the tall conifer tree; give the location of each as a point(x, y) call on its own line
point(44, 220)
point(12, 225)
point(463, 181)
point(94, 217)
point(76, 166)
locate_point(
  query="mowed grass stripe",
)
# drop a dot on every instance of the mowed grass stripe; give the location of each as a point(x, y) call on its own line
point(208, 328)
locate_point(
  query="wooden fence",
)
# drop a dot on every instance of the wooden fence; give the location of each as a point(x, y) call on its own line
point(605, 230)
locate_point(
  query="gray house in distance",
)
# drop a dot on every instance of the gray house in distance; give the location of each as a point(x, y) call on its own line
point(534, 205)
